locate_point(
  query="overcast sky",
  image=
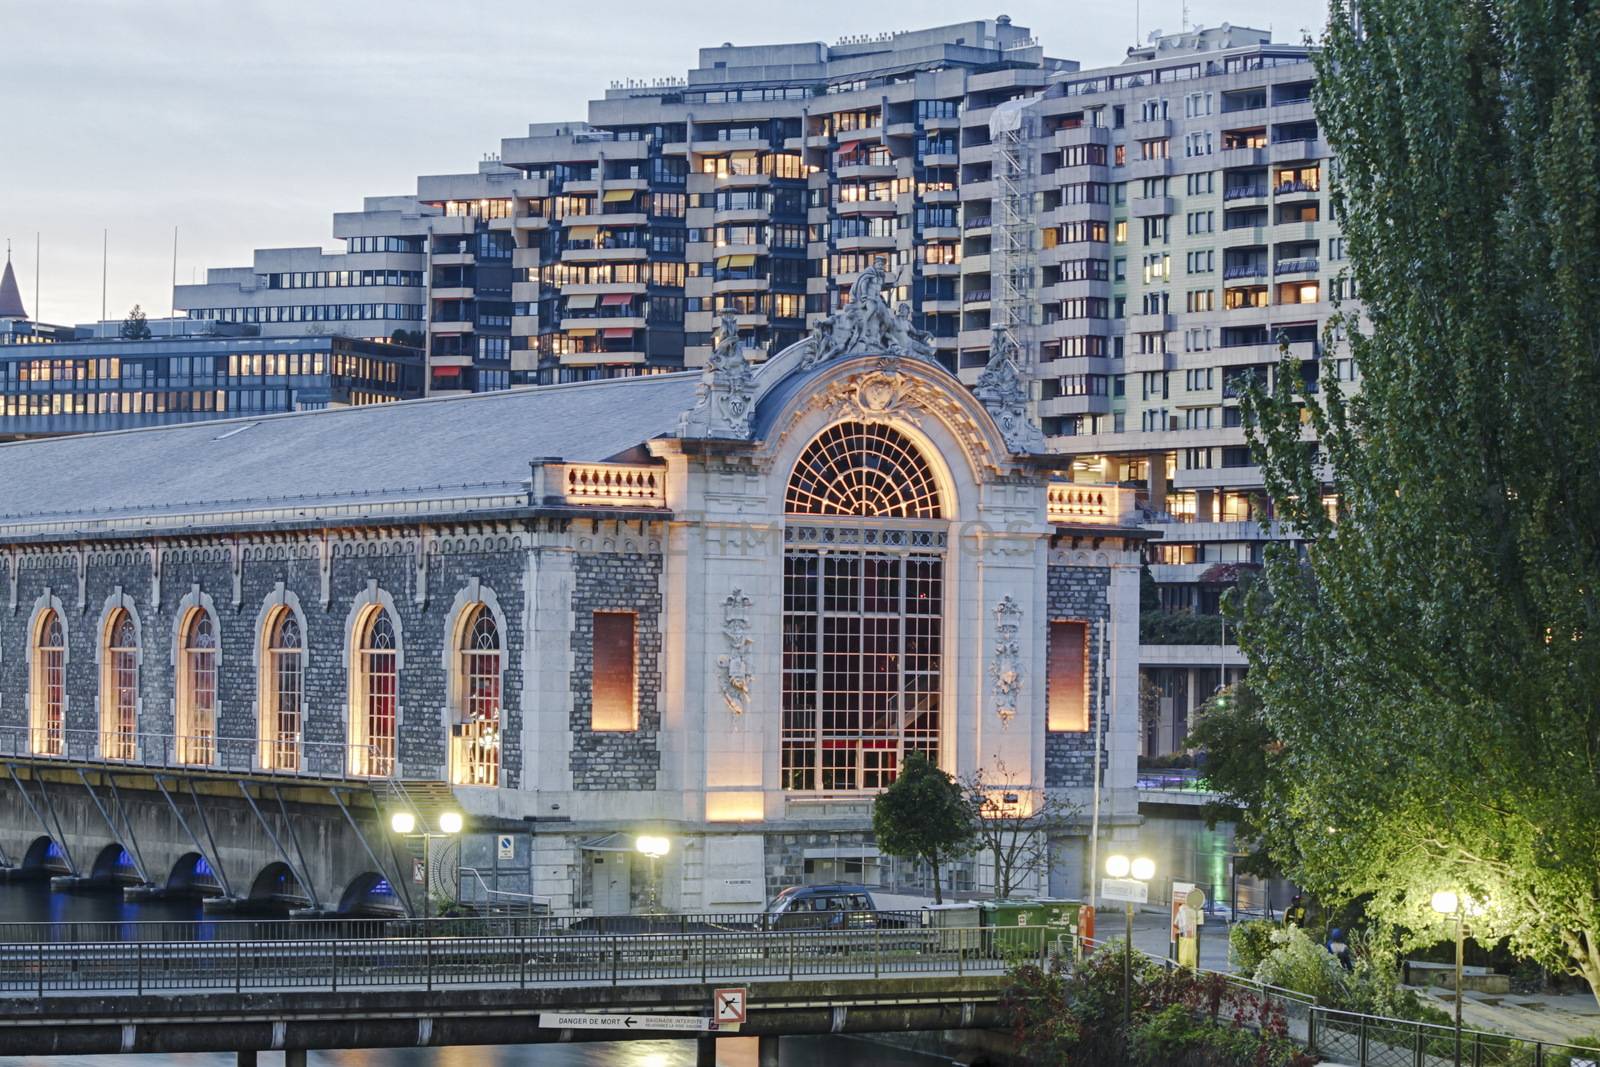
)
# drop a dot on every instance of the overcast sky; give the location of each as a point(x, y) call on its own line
point(247, 123)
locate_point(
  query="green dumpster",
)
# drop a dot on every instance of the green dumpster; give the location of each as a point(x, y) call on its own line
point(1011, 923)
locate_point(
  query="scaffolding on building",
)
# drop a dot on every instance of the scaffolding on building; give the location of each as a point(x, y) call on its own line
point(1013, 132)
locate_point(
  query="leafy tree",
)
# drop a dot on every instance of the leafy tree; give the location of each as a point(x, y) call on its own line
point(924, 815)
point(1014, 833)
point(1431, 663)
point(1243, 765)
point(134, 327)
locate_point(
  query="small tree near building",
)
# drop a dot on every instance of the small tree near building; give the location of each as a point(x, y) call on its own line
point(134, 327)
point(924, 815)
point(1013, 825)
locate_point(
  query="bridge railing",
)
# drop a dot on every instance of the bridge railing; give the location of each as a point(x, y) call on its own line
point(73, 969)
point(530, 924)
point(289, 757)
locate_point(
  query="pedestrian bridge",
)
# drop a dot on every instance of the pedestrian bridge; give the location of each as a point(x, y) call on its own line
point(468, 982)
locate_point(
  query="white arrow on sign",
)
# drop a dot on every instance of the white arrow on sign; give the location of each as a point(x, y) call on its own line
point(589, 1021)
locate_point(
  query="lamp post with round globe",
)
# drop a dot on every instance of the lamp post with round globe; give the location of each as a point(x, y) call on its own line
point(1450, 902)
point(1140, 869)
point(404, 824)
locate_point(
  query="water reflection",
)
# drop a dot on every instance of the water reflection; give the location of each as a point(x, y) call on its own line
point(731, 1052)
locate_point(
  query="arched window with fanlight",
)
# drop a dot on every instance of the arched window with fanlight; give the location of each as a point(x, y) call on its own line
point(282, 690)
point(375, 707)
point(47, 706)
point(863, 609)
point(475, 736)
point(197, 688)
point(119, 687)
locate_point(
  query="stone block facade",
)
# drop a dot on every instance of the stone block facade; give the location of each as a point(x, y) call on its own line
point(608, 759)
point(1078, 593)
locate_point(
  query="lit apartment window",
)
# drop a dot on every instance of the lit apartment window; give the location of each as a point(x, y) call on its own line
point(475, 738)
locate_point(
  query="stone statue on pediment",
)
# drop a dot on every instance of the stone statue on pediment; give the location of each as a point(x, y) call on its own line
point(1003, 391)
point(867, 326)
point(725, 397)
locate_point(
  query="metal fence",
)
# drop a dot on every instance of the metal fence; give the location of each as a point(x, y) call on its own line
point(1358, 1040)
point(471, 926)
point(44, 969)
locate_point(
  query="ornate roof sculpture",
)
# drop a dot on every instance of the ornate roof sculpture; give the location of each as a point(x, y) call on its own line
point(731, 389)
point(1004, 393)
point(725, 397)
point(866, 326)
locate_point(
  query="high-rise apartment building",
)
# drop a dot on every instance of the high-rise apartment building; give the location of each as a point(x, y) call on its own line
point(1150, 233)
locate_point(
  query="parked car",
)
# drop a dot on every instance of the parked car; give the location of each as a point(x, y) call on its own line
point(825, 907)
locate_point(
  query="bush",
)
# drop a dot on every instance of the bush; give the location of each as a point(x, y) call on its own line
point(1296, 962)
point(1249, 943)
point(1179, 628)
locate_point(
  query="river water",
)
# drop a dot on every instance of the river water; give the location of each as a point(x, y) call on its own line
point(34, 902)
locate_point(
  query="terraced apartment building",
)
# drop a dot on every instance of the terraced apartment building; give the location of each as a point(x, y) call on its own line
point(1149, 233)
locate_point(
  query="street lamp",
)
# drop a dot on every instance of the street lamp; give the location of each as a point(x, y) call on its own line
point(1449, 902)
point(653, 847)
point(1140, 869)
point(404, 824)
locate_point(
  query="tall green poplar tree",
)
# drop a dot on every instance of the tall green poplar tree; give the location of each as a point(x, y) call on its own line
point(1430, 668)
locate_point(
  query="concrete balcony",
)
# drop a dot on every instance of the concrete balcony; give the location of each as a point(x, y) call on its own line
point(531, 222)
point(1150, 323)
point(1150, 130)
point(851, 208)
point(1082, 213)
point(1299, 151)
point(603, 255)
point(742, 285)
point(450, 327)
point(458, 293)
point(942, 196)
point(614, 322)
point(1082, 135)
point(1145, 207)
point(453, 259)
point(1139, 362)
point(866, 170)
point(744, 214)
point(941, 159)
point(1229, 158)
point(607, 221)
point(941, 270)
point(1148, 168)
point(742, 181)
point(1075, 405)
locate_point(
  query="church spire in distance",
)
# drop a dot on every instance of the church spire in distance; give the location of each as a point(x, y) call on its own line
point(10, 296)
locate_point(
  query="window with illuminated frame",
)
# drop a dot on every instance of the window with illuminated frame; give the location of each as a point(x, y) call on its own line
point(119, 688)
point(197, 688)
point(375, 708)
point(863, 610)
point(475, 736)
point(48, 700)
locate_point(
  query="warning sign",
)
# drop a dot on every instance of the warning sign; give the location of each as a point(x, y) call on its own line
point(730, 1005)
point(505, 847)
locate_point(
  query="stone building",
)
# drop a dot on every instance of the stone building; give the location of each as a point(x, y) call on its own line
point(715, 606)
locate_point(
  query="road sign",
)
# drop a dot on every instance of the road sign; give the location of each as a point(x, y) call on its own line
point(505, 847)
point(730, 1005)
point(592, 1021)
point(1128, 890)
point(418, 873)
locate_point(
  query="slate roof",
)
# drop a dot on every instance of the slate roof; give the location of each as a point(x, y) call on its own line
point(10, 296)
point(414, 450)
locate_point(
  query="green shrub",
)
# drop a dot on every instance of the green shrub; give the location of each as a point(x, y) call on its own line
point(1249, 943)
point(1296, 962)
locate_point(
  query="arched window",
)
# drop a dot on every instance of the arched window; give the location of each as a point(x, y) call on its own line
point(282, 689)
point(853, 468)
point(372, 729)
point(48, 707)
point(197, 688)
point(119, 688)
point(475, 737)
point(863, 610)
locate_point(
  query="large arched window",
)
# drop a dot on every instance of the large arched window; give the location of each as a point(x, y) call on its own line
point(282, 689)
point(119, 687)
point(375, 707)
point(48, 705)
point(197, 688)
point(475, 737)
point(854, 468)
point(863, 610)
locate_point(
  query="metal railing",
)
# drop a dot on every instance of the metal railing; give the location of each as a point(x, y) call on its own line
point(1297, 265)
point(45, 968)
point(210, 751)
point(1174, 780)
point(534, 924)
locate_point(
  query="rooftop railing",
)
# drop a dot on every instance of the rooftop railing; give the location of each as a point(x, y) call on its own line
point(1092, 505)
point(608, 484)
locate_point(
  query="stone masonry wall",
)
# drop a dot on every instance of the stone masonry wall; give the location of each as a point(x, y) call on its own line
point(238, 585)
point(622, 581)
point(1078, 593)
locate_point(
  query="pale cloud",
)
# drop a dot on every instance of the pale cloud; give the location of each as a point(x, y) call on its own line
point(247, 123)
